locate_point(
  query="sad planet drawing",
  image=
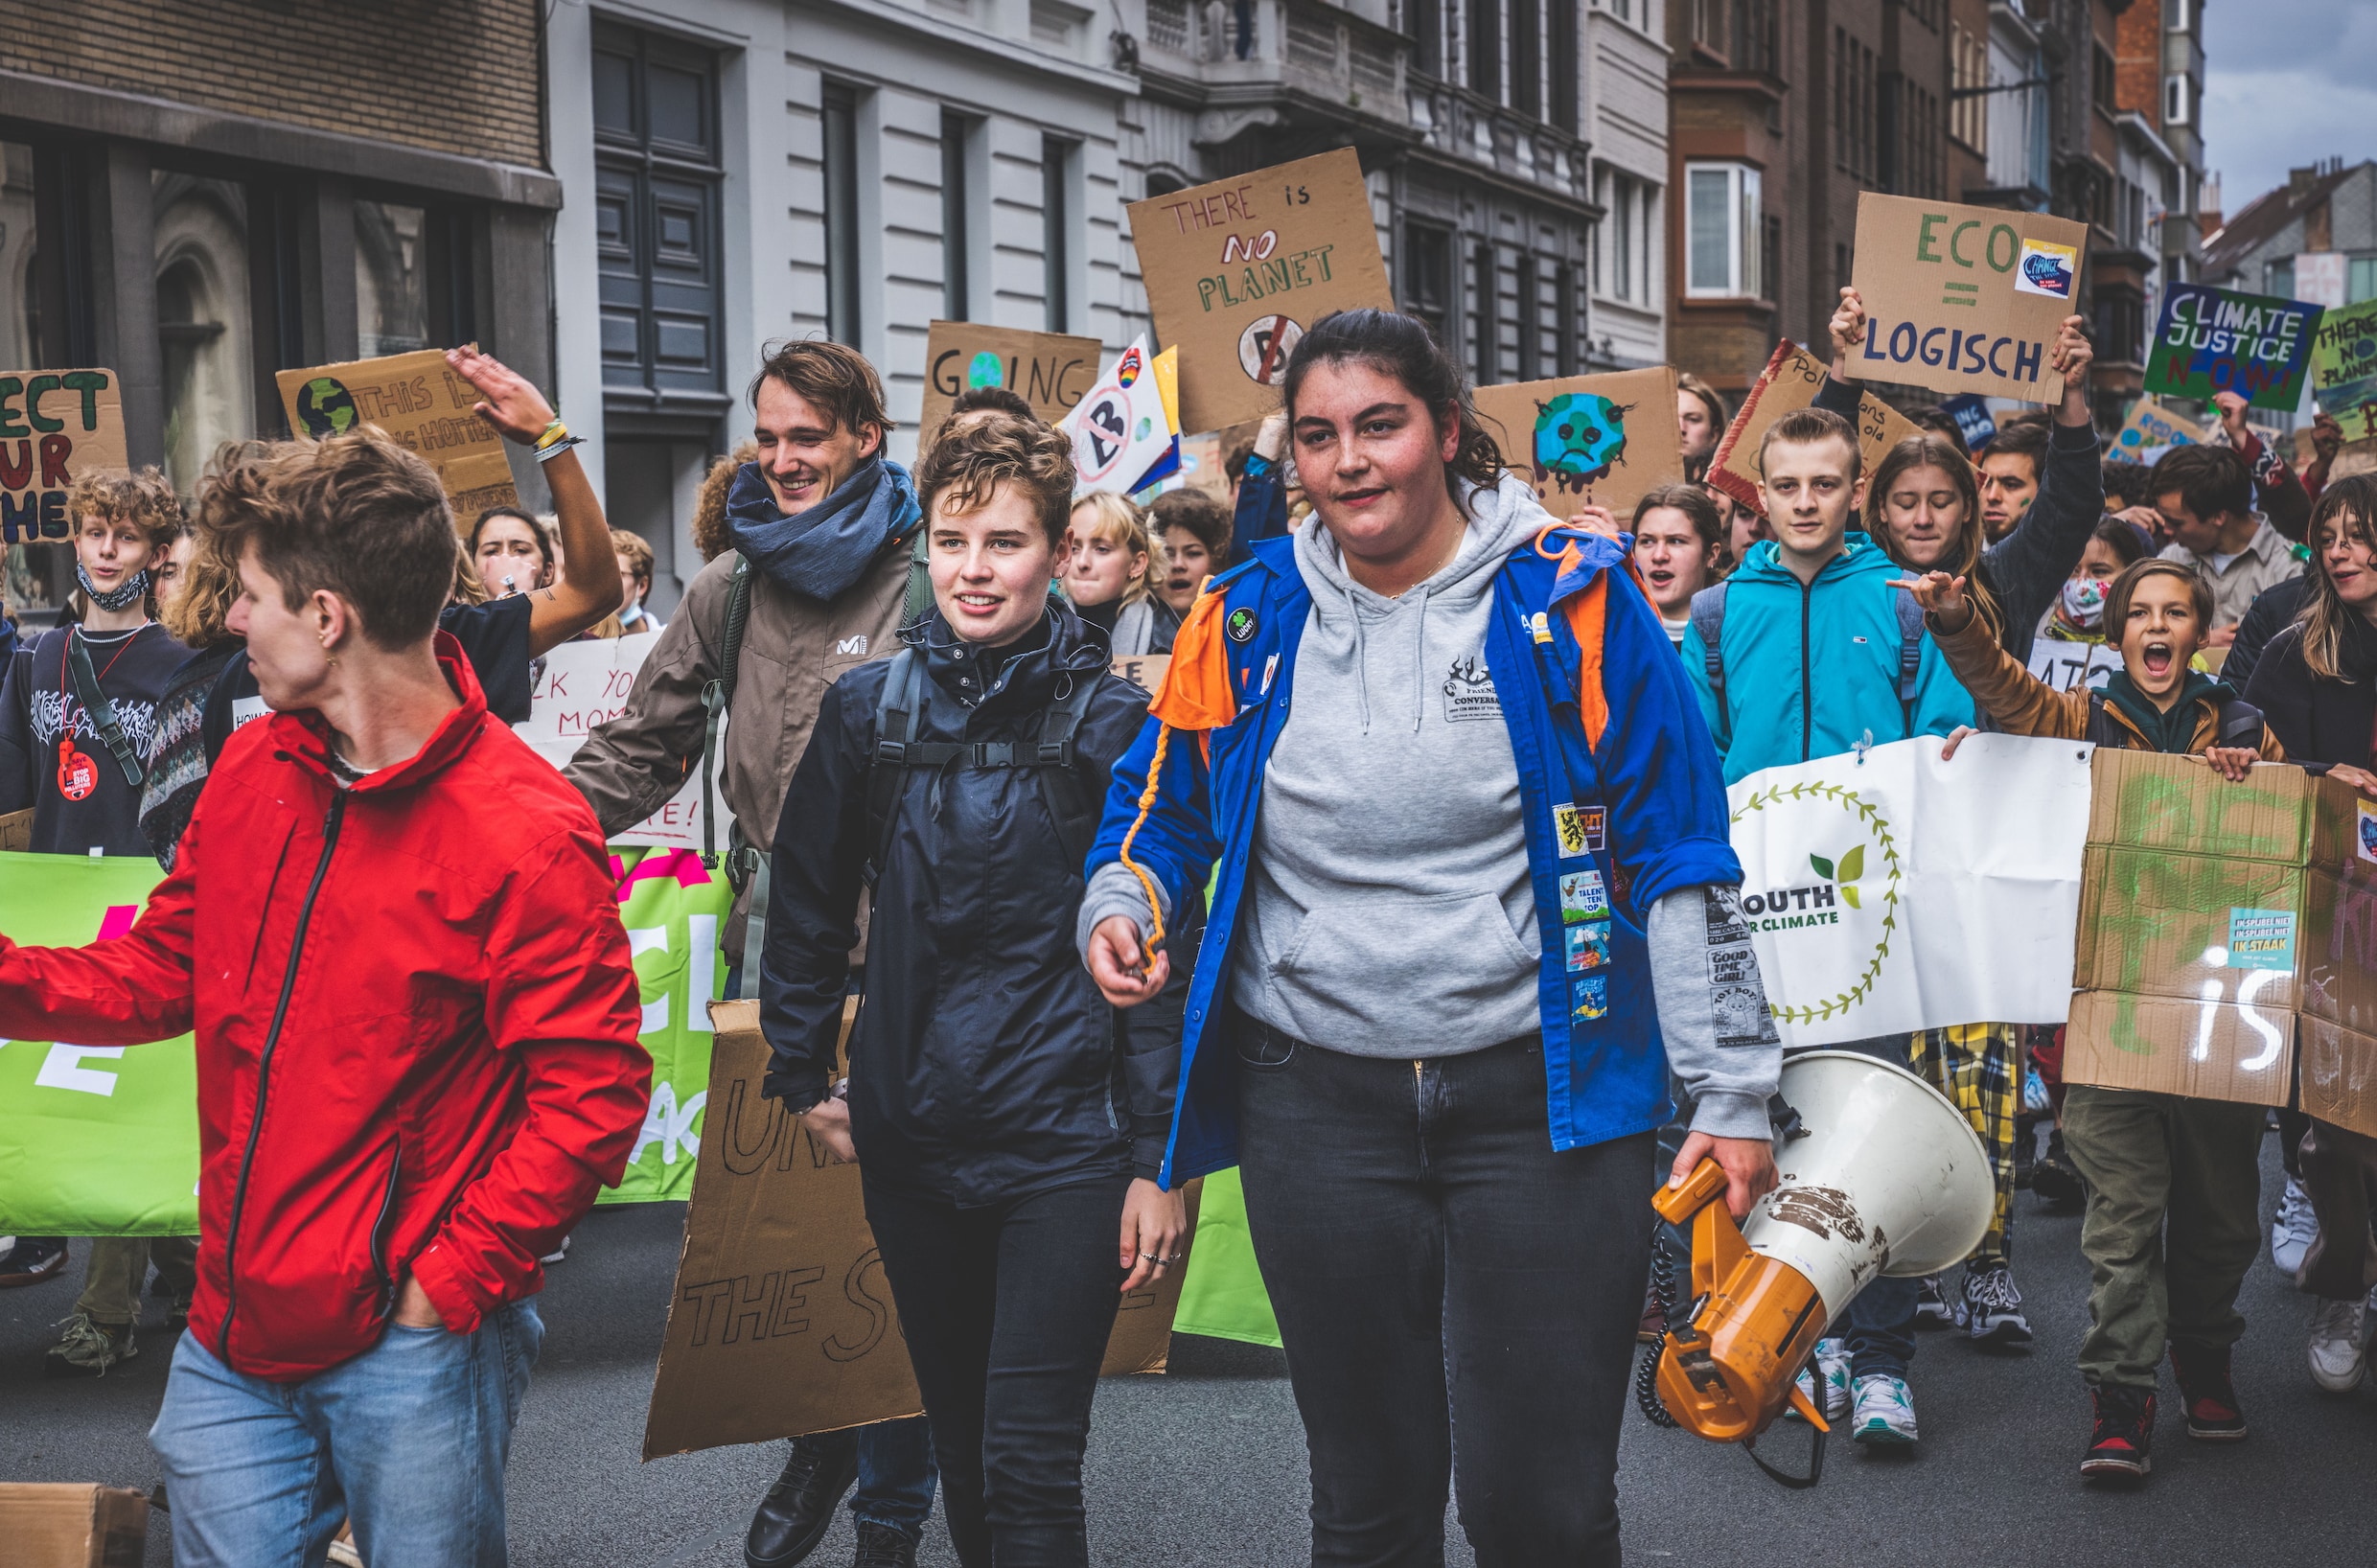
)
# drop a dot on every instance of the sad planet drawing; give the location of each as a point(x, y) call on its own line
point(1580, 435)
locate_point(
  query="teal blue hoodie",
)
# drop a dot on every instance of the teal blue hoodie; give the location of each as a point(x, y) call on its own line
point(1810, 669)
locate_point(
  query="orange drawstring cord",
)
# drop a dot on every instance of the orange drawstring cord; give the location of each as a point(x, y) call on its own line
point(1146, 882)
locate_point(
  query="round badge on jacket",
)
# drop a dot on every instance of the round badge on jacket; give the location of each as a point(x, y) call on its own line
point(1240, 626)
point(77, 775)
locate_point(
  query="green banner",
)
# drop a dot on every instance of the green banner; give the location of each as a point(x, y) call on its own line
point(2343, 367)
point(104, 1140)
point(1223, 1295)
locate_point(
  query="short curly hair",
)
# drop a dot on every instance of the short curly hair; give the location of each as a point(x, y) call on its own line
point(142, 498)
point(995, 447)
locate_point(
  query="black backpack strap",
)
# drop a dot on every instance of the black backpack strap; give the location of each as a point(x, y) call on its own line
point(898, 715)
point(2240, 724)
point(102, 712)
point(717, 696)
point(1071, 805)
point(1708, 619)
point(2099, 732)
point(1910, 653)
point(919, 582)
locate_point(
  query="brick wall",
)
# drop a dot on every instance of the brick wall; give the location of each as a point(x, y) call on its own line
point(2137, 60)
point(452, 76)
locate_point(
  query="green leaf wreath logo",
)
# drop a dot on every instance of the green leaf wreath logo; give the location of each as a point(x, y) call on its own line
point(1846, 874)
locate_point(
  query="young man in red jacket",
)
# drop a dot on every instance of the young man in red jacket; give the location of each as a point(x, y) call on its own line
point(393, 928)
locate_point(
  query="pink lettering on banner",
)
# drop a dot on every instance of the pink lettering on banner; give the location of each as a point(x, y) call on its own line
point(118, 921)
point(684, 865)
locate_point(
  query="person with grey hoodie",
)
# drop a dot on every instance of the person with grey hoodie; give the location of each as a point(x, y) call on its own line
point(1475, 901)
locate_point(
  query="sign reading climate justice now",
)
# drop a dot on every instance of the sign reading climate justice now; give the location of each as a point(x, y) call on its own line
point(419, 400)
point(1851, 943)
point(1964, 299)
point(2214, 340)
point(1236, 269)
point(55, 426)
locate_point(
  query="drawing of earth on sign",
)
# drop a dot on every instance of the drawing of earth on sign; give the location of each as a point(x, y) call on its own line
point(984, 370)
point(325, 409)
point(1579, 436)
point(1265, 346)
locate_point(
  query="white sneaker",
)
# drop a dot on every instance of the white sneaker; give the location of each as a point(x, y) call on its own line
point(2338, 1335)
point(557, 1254)
point(2293, 1230)
point(1825, 1381)
point(1885, 1412)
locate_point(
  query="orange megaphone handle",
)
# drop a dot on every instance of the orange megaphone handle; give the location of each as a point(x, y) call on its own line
point(1716, 1243)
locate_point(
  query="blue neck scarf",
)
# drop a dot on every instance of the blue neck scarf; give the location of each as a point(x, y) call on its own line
point(819, 553)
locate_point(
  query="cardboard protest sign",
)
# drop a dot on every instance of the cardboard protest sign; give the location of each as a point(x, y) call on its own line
point(1119, 429)
point(16, 832)
point(1965, 299)
point(2069, 666)
point(2343, 367)
point(1236, 269)
point(2213, 340)
point(1048, 370)
point(2212, 917)
point(587, 683)
point(425, 405)
point(1589, 440)
point(55, 426)
point(62, 1524)
point(2150, 425)
point(1790, 381)
point(1974, 420)
point(781, 1322)
point(1145, 671)
point(1850, 945)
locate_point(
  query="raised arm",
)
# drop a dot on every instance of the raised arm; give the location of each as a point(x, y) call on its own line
point(2022, 703)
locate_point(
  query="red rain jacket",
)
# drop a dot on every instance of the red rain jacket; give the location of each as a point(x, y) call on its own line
point(416, 1029)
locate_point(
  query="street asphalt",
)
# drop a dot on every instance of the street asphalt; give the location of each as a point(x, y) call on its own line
point(1203, 1468)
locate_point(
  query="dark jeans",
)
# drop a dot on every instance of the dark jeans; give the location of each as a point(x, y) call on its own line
point(896, 1477)
point(1879, 1325)
point(1007, 1310)
point(1456, 1298)
point(2340, 1171)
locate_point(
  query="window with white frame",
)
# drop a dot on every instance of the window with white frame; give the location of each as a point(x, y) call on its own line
point(2181, 15)
point(2177, 100)
point(1721, 231)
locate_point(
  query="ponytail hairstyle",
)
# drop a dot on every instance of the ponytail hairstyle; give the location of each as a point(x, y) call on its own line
point(2350, 503)
point(1963, 557)
point(1398, 346)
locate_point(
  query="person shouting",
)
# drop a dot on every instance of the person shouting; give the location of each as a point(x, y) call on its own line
point(1679, 547)
point(1435, 1033)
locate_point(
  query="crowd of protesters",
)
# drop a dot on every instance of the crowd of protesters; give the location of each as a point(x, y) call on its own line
point(1107, 940)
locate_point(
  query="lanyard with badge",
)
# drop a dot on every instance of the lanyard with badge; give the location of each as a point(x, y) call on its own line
point(78, 771)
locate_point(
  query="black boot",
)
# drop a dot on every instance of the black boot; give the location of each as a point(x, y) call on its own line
point(794, 1517)
point(880, 1546)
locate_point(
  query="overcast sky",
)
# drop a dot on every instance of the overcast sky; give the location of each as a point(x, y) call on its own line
point(2287, 83)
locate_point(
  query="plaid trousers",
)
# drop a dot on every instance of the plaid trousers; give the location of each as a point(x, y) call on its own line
point(1975, 1065)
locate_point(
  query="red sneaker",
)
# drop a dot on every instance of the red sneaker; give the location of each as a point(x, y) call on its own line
point(2121, 1446)
point(2207, 1393)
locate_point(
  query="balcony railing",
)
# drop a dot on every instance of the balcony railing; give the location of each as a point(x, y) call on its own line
point(1308, 45)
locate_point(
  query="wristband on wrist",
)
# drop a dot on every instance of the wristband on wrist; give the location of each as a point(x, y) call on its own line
point(546, 454)
point(554, 434)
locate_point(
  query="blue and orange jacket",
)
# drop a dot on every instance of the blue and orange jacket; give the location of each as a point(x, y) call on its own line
point(1618, 779)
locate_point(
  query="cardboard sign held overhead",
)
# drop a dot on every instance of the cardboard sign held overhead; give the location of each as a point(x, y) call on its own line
point(2150, 425)
point(1236, 269)
point(1964, 299)
point(2343, 367)
point(1790, 381)
point(2213, 340)
point(781, 1322)
point(1048, 370)
point(1589, 440)
point(55, 426)
point(425, 405)
point(2213, 916)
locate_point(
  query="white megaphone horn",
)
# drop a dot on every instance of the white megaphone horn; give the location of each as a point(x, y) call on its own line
point(1887, 1177)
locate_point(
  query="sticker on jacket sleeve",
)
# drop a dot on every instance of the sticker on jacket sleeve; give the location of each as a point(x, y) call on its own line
point(1734, 966)
point(1469, 692)
point(1742, 1017)
point(1582, 898)
point(1587, 951)
point(2368, 840)
point(2261, 938)
point(1721, 906)
point(1583, 830)
point(1588, 997)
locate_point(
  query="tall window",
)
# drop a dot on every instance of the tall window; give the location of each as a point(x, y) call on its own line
point(1568, 69)
point(1527, 57)
point(1622, 239)
point(1485, 319)
point(1427, 262)
point(843, 320)
point(1969, 73)
point(1529, 317)
point(955, 304)
point(1486, 47)
point(1722, 237)
point(656, 193)
point(1856, 139)
point(2178, 100)
point(1423, 21)
point(1056, 229)
point(1564, 320)
point(2360, 280)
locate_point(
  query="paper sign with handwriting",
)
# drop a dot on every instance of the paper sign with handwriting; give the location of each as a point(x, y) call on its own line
point(1964, 299)
point(2343, 367)
point(421, 402)
point(1237, 270)
point(55, 426)
point(2150, 424)
point(1048, 370)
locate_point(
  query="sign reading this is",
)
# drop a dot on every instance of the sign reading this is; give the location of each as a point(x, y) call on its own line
point(419, 400)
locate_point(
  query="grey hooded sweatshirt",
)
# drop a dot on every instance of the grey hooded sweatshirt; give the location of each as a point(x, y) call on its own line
point(1390, 911)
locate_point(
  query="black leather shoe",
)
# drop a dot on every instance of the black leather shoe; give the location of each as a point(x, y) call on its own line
point(880, 1546)
point(794, 1517)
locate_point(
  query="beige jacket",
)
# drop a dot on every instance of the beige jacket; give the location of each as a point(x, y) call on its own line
point(793, 648)
point(2266, 561)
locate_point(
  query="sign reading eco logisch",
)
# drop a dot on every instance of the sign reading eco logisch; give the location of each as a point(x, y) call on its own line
point(1964, 299)
point(425, 405)
point(1235, 270)
point(2343, 367)
point(1588, 440)
point(1048, 370)
point(55, 426)
point(2212, 341)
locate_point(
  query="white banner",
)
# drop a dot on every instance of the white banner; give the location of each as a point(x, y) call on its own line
point(1899, 892)
point(586, 684)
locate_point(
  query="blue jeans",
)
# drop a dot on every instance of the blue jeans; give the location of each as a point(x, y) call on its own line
point(1879, 1325)
point(896, 1475)
point(407, 1440)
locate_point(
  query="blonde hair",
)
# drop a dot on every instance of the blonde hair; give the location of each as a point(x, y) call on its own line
point(710, 534)
point(1118, 521)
